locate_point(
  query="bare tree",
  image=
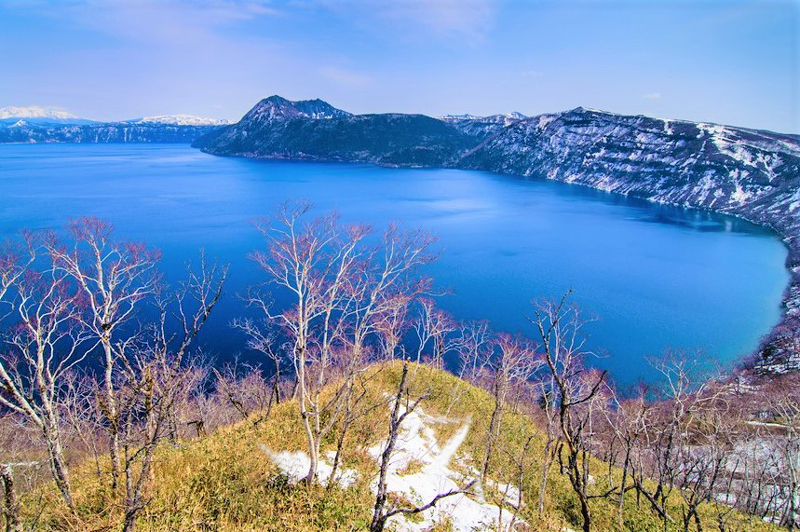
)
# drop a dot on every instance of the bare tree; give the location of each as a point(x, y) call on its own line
point(514, 363)
point(559, 326)
point(341, 291)
point(785, 405)
point(246, 390)
point(115, 279)
point(625, 423)
point(433, 326)
point(155, 375)
point(44, 346)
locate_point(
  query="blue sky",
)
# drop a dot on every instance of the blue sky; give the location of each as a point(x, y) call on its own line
point(732, 62)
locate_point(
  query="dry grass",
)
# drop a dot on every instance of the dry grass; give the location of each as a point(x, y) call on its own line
point(225, 482)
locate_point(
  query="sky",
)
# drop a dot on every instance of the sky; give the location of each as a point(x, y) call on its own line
point(723, 61)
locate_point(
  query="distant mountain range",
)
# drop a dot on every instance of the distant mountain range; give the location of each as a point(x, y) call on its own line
point(40, 124)
point(744, 172)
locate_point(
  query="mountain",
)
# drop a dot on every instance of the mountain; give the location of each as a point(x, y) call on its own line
point(40, 124)
point(35, 115)
point(277, 128)
point(179, 120)
point(744, 172)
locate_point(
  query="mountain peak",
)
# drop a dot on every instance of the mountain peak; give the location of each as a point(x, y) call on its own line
point(279, 108)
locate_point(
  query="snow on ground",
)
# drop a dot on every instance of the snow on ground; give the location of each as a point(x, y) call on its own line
point(295, 466)
point(419, 470)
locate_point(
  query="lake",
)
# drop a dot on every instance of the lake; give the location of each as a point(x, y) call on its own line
point(656, 277)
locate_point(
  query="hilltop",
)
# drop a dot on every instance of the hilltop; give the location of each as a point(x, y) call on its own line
point(245, 476)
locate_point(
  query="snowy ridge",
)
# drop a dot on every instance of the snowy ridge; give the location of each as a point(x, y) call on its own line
point(181, 120)
point(34, 112)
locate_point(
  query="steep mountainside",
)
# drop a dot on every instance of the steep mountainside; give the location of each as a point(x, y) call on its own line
point(313, 130)
point(744, 172)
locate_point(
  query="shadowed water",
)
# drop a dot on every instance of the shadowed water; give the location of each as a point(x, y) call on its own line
point(655, 276)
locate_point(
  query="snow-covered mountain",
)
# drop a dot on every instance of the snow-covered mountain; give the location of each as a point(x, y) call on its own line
point(38, 115)
point(180, 120)
point(40, 124)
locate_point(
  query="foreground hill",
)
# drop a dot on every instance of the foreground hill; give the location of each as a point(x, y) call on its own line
point(244, 477)
point(747, 173)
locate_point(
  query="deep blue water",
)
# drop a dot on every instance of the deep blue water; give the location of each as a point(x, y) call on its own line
point(654, 276)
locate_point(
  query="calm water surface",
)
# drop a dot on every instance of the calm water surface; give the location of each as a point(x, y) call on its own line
point(655, 277)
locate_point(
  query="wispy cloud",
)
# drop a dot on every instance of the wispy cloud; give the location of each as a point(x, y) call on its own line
point(345, 77)
point(652, 96)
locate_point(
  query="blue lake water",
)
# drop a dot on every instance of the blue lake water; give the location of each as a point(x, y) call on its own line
point(656, 277)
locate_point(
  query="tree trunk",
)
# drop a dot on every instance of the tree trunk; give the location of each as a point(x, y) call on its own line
point(111, 415)
point(378, 514)
point(11, 504)
point(58, 466)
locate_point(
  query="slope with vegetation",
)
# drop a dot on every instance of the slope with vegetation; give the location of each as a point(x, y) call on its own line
point(226, 481)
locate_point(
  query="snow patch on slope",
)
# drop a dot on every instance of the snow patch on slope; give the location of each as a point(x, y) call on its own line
point(419, 470)
point(431, 473)
point(296, 465)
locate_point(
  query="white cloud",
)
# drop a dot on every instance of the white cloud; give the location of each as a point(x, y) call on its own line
point(652, 96)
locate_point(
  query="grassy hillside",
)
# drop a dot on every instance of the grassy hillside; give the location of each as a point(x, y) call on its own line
point(226, 481)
